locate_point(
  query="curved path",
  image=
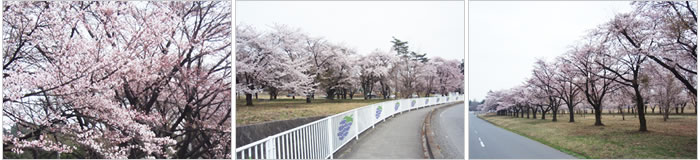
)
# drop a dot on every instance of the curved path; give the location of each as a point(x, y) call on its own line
point(487, 141)
point(396, 138)
point(448, 126)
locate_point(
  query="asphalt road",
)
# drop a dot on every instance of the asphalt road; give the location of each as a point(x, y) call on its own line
point(487, 141)
point(448, 126)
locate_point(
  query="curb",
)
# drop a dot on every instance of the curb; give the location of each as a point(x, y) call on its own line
point(431, 149)
point(427, 148)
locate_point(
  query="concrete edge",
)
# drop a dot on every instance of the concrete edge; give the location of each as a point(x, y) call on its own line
point(427, 149)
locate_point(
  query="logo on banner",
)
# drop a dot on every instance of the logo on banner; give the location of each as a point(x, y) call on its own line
point(426, 101)
point(396, 106)
point(344, 127)
point(379, 112)
point(438, 100)
point(413, 103)
point(448, 99)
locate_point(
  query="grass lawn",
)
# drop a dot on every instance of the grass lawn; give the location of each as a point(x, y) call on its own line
point(675, 138)
point(285, 108)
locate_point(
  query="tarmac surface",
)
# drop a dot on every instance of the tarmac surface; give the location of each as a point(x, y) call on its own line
point(487, 141)
point(448, 126)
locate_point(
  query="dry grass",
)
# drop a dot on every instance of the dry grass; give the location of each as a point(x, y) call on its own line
point(285, 108)
point(675, 138)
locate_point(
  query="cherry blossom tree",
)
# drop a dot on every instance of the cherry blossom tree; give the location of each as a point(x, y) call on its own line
point(626, 43)
point(117, 79)
point(673, 26)
point(372, 68)
point(254, 53)
point(428, 77)
point(666, 90)
point(336, 76)
point(592, 79)
point(290, 69)
point(566, 86)
point(544, 78)
point(450, 78)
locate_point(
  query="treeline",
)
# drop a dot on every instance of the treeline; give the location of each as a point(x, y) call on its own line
point(643, 58)
point(288, 61)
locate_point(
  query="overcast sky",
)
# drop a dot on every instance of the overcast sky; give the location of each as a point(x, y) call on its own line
point(506, 37)
point(436, 28)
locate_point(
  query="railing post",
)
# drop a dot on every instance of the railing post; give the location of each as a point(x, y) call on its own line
point(330, 136)
point(357, 125)
point(271, 150)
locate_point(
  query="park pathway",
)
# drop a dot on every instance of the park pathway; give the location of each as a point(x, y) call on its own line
point(487, 141)
point(396, 138)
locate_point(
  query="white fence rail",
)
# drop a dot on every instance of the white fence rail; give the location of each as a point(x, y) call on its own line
point(321, 138)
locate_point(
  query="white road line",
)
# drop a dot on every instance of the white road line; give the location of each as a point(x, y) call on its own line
point(482, 143)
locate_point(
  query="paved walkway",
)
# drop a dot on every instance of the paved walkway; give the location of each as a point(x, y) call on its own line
point(396, 138)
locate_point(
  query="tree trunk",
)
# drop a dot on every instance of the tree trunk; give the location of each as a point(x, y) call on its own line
point(666, 112)
point(640, 105)
point(597, 111)
point(543, 113)
point(628, 109)
point(308, 99)
point(534, 113)
point(248, 99)
point(256, 96)
point(571, 114)
point(528, 113)
point(345, 93)
point(676, 110)
point(330, 94)
point(555, 110)
point(623, 114)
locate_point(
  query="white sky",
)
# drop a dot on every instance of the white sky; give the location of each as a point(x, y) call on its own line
point(506, 37)
point(436, 28)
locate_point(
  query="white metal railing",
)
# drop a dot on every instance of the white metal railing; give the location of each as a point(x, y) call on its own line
point(321, 138)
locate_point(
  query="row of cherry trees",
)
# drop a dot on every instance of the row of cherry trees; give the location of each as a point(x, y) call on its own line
point(117, 79)
point(286, 60)
point(643, 58)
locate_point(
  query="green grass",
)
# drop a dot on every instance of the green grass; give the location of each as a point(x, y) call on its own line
point(285, 108)
point(675, 138)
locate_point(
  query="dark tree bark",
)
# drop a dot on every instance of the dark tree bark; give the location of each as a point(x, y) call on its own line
point(528, 113)
point(534, 113)
point(571, 114)
point(248, 99)
point(598, 121)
